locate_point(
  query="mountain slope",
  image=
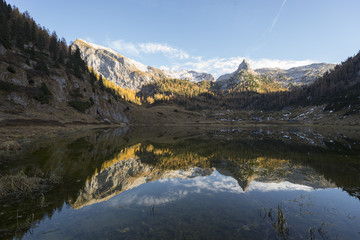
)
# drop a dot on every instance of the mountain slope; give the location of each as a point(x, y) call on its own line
point(339, 88)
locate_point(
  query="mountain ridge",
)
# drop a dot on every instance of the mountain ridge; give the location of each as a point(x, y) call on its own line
point(114, 66)
point(131, 74)
point(126, 72)
point(285, 78)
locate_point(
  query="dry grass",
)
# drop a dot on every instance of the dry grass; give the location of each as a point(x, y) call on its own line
point(19, 185)
point(10, 146)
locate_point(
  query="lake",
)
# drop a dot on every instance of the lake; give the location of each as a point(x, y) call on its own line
point(177, 182)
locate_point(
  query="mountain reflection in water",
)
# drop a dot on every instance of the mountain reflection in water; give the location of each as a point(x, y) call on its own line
point(230, 183)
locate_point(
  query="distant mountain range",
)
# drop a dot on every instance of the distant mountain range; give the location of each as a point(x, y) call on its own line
point(247, 79)
point(128, 73)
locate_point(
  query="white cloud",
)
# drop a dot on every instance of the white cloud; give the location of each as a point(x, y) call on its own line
point(281, 186)
point(89, 39)
point(166, 197)
point(276, 63)
point(163, 48)
point(173, 189)
point(124, 47)
point(219, 66)
point(135, 49)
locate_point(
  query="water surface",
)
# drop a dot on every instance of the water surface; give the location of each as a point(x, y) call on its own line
point(193, 183)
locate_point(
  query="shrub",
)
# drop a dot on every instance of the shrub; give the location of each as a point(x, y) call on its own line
point(76, 93)
point(41, 66)
point(11, 69)
point(81, 106)
point(8, 87)
point(44, 94)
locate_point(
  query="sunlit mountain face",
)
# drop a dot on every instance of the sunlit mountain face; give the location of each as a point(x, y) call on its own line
point(237, 183)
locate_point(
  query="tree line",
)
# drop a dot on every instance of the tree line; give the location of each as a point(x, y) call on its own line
point(21, 29)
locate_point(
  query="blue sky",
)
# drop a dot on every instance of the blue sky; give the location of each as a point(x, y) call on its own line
point(209, 35)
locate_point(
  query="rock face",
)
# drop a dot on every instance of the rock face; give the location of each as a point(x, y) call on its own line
point(2, 50)
point(122, 71)
point(244, 66)
point(287, 79)
point(241, 76)
point(125, 72)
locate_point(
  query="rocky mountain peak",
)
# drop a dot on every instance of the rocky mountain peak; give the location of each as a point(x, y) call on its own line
point(286, 78)
point(122, 71)
point(244, 65)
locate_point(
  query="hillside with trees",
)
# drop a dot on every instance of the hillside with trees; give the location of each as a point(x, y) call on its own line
point(43, 82)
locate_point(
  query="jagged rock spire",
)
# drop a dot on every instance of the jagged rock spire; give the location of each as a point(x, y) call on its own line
point(244, 66)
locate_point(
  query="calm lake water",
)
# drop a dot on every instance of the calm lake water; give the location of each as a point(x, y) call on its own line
point(190, 183)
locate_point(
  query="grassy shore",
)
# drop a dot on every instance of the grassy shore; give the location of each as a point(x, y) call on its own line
point(21, 185)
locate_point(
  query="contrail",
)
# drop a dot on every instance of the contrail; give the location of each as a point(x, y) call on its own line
point(277, 16)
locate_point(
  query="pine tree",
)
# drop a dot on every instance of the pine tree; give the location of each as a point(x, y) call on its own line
point(101, 83)
point(53, 46)
point(34, 32)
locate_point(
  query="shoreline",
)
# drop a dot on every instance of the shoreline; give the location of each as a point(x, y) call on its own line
point(32, 128)
point(24, 132)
